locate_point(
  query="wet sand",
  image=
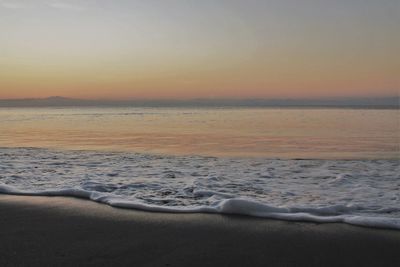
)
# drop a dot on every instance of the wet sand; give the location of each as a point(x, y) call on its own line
point(59, 231)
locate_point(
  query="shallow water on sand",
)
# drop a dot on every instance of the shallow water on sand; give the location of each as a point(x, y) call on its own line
point(364, 192)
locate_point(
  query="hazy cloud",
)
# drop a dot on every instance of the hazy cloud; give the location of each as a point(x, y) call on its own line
point(13, 4)
point(66, 5)
point(57, 4)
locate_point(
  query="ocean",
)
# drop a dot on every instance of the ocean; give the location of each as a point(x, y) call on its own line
point(312, 164)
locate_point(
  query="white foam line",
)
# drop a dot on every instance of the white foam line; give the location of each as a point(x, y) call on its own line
point(227, 206)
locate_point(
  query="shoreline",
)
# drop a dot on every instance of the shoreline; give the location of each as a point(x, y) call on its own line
point(39, 230)
point(231, 207)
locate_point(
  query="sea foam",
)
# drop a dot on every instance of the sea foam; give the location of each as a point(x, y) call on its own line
point(360, 192)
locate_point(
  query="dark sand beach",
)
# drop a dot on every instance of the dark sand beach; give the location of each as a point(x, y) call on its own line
point(59, 231)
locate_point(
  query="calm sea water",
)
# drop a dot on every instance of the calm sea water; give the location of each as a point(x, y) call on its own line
point(272, 133)
point(325, 165)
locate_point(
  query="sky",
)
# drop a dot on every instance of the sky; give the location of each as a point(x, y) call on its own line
point(183, 49)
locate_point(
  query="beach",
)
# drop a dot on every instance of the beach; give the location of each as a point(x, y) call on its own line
point(224, 190)
point(199, 133)
point(60, 231)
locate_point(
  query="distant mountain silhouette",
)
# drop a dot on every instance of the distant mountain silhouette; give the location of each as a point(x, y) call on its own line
point(59, 101)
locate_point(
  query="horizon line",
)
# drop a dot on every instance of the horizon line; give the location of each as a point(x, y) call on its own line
point(58, 97)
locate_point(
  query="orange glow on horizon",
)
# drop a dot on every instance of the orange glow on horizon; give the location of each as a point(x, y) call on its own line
point(138, 50)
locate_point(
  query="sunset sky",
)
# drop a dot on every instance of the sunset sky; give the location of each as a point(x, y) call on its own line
point(104, 49)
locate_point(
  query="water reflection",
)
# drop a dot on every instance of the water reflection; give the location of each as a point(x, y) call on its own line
point(283, 133)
